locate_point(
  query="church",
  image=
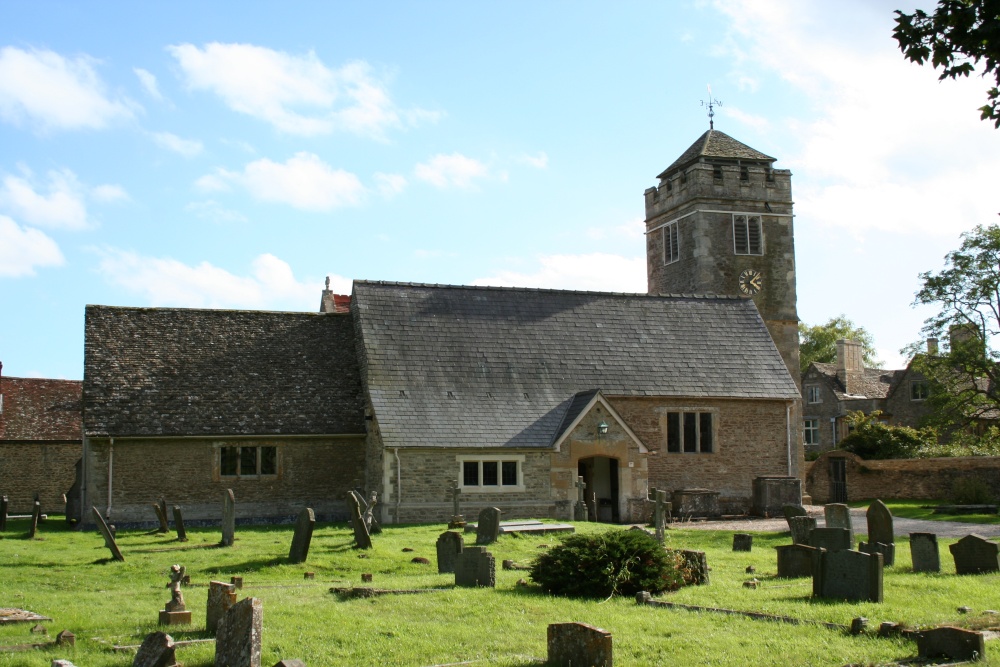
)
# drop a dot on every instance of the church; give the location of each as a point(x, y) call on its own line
point(509, 394)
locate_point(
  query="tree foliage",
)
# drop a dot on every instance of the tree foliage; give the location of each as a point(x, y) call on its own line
point(959, 37)
point(873, 439)
point(819, 343)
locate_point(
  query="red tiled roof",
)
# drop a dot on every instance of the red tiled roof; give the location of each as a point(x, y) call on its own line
point(40, 409)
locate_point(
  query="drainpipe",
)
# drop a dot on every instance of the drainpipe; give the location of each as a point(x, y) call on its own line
point(788, 435)
point(399, 483)
point(111, 472)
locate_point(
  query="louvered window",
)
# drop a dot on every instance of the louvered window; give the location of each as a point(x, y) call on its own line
point(671, 244)
point(748, 236)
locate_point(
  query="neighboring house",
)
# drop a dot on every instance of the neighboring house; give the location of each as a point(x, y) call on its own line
point(40, 441)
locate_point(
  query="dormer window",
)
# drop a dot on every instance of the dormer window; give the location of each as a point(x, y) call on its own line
point(748, 235)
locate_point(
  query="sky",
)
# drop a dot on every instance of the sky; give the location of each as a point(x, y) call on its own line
point(235, 154)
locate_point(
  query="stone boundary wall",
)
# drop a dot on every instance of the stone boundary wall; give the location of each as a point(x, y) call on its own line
point(43, 468)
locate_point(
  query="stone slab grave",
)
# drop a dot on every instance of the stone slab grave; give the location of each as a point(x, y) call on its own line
point(36, 516)
point(475, 567)
point(838, 515)
point(578, 645)
point(527, 526)
point(848, 575)
point(801, 528)
point(689, 503)
point(175, 612)
point(924, 552)
point(951, 643)
point(742, 542)
point(156, 650)
point(228, 518)
point(10, 615)
point(4, 505)
point(179, 525)
point(488, 528)
point(831, 539)
point(888, 551)
point(238, 635)
point(771, 494)
point(221, 597)
point(302, 537)
point(795, 560)
point(974, 554)
point(449, 545)
point(109, 538)
point(362, 538)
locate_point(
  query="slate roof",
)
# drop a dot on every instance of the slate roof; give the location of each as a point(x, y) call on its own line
point(717, 145)
point(42, 410)
point(875, 383)
point(456, 366)
point(175, 371)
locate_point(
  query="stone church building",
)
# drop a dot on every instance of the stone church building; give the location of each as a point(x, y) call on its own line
point(404, 389)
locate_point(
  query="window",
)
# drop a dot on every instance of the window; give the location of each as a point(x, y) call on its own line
point(500, 473)
point(919, 390)
point(812, 394)
point(748, 237)
point(811, 431)
point(690, 432)
point(671, 247)
point(248, 461)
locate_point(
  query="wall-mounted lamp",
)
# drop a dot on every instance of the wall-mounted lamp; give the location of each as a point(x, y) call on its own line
point(602, 428)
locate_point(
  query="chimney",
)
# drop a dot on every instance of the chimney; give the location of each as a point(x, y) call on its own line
point(334, 303)
point(932, 347)
point(850, 368)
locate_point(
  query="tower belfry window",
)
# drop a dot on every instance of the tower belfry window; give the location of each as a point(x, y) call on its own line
point(671, 244)
point(748, 236)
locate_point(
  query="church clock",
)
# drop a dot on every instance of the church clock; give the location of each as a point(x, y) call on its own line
point(751, 281)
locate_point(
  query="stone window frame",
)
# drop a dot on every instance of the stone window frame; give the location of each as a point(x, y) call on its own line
point(700, 413)
point(813, 394)
point(499, 459)
point(920, 390)
point(217, 458)
point(750, 248)
point(671, 242)
point(810, 431)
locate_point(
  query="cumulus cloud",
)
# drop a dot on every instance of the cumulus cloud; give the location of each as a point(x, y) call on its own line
point(185, 147)
point(23, 249)
point(55, 93)
point(148, 81)
point(297, 94)
point(594, 271)
point(455, 170)
point(62, 207)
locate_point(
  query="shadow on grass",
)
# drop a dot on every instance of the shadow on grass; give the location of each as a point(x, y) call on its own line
point(182, 547)
point(248, 566)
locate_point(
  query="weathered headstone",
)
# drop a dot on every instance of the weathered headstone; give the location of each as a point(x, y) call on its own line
point(109, 539)
point(880, 523)
point(795, 560)
point(831, 539)
point(221, 596)
point(475, 567)
point(237, 637)
point(488, 529)
point(157, 650)
point(659, 515)
point(742, 542)
point(697, 563)
point(974, 554)
point(303, 536)
point(581, 505)
point(801, 528)
point(888, 551)
point(362, 539)
point(924, 552)
point(165, 526)
point(793, 510)
point(578, 645)
point(457, 520)
point(65, 638)
point(182, 535)
point(848, 575)
point(175, 612)
point(36, 516)
point(838, 515)
point(228, 518)
point(4, 504)
point(161, 518)
point(951, 643)
point(449, 545)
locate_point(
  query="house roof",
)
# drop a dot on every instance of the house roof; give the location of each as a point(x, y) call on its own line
point(451, 366)
point(173, 372)
point(875, 382)
point(36, 409)
point(719, 146)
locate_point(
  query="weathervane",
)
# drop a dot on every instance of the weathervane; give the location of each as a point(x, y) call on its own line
point(711, 108)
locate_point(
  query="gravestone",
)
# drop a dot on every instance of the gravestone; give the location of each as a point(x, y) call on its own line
point(157, 650)
point(831, 539)
point(161, 518)
point(449, 546)
point(109, 538)
point(366, 509)
point(697, 563)
point(838, 515)
point(65, 638)
point(771, 494)
point(303, 536)
point(362, 540)
point(182, 535)
point(488, 529)
point(228, 518)
point(221, 596)
point(795, 560)
point(924, 552)
point(457, 520)
point(475, 567)
point(4, 504)
point(952, 643)
point(742, 542)
point(790, 510)
point(580, 511)
point(237, 637)
point(577, 645)
point(165, 526)
point(848, 575)
point(36, 516)
point(175, 612)
point(695, 502)
point(801, 527)
point(974, 554)
point(888, 551)
point(880, 523)
point(660, 514)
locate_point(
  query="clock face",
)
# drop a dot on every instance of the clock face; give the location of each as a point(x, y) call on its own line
point(751, 282)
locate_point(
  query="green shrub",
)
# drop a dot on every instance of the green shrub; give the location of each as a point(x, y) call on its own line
point(618, 562)
point(971, 491)
point(873, 439)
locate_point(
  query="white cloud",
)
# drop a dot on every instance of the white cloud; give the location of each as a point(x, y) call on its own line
point(297, 94)
point(390, 185)
point(455, 170)
point(148, 81)
point(55, 92)
point(109, 193)
point(303, 181)
point(593, 271)
point(22, 250)
point(185, 147)
point(212, 211)
point(62, 207)
point(539, 161)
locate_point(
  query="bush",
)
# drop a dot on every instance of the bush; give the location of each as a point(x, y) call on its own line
point(873, 439)
point(971, 491)
point(618, 562)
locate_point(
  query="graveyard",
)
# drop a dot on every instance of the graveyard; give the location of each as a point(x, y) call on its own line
point(320, 599)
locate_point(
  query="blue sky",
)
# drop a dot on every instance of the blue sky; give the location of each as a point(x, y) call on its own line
point(233, 155)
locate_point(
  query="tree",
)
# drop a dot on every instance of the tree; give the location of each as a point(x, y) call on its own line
point(871, 438)
point(957, 38)
point(819, 343)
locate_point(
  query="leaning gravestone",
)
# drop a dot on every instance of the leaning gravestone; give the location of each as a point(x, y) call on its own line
point(574, 644)
point(795, 560)
point(228, 518)
point(182, 535)
point(3, 513)
point(303, 536)
point(848, 575)
point(888, 551)
point(880, 523)
point(951, 643)
point(221, 596)
point(801, 527)
point(838, 515)
point(161, 518)
point(924, 551)
point(237, 637)
point(793, 510)
point(36, 516)
point(165, 526)
point(449, 546)
point(362, 540)
point(974, 554)
point(475, 567)
point(742, 542)
point(157, 650)
point(831, 539)
point(109, 539)
point(488, 529)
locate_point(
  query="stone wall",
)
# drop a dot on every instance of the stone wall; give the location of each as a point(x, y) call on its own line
point(43, 468)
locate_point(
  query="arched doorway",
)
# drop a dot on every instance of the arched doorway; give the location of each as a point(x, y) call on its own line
point(600, 474)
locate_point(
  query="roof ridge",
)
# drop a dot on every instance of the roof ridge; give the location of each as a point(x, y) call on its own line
point(547, 290)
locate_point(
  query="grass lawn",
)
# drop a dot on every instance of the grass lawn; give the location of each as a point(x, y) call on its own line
point(68, 576)
point(924, 509)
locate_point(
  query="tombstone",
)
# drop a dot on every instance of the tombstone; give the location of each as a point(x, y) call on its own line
point(831, 539)
point(581, 504)
point(974, 554)
point(801, 528)
point(221, 596)
point(362, 540)
point(228, 518)
point(955, 644)
point(848, 575)
point(182, 535)
point(475, 567)
point(157, 650)
point(697, 563)
point(838, 515)
point(65, 638)
point(488, 529)
point(742, 542)
point(366, 509)
point(4, 504)
point(888, 551)
point(36, 516)
point(771, 494)
point(659, 519)
point(161, 518)
point(236, 581)
point(795, 560)
point(109, 538)
point(237, 637)
point(790, 510)
point(456, 506)
point(302, 537)
point(165, 525)
point(175, 612)
point(578, 645)
point(924, 552)
point(449, 546)
point(880, 523)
